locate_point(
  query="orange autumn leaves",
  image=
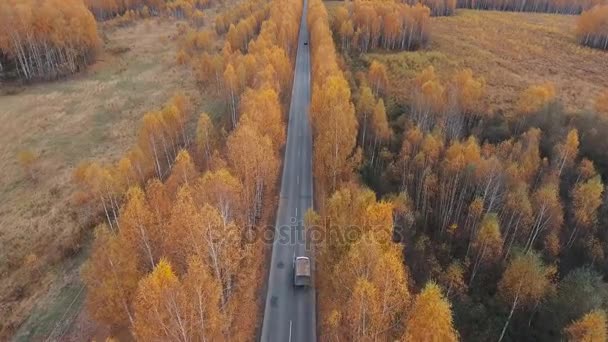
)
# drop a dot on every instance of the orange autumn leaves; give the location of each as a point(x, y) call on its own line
point(363, 285)
point(240, 34)
point(547, 6)
point(159, 138)
point(535, 98)
point(592, 27)
point(106, 9)
point(368, 25)
point(590, 327)
point(256, 82)
point(454, 105)
point(171, 267)
point(45, 39)
point(525, 281)
point(332, 112)
point(188, 308)
point(173, 261)
point(431, 318)
point(246, 61)
point(236, 13)
point(364, 289)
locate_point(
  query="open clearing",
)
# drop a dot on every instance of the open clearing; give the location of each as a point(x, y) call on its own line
point(94, 114)
point(511, 51)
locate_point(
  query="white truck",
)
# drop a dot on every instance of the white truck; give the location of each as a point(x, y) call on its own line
point(301, 271)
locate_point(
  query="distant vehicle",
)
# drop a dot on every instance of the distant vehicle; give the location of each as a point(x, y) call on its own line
point(301, 271)
point(305, 43)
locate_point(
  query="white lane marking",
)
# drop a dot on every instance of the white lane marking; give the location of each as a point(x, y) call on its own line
point(298, 179)
point(290, 330)
point(308, 76)
point(296, 211)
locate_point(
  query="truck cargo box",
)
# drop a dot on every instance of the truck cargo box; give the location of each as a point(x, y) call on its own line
point(302, 271)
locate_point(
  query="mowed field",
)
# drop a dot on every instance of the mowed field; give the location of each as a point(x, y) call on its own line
point(92, 115)
point(511, 51)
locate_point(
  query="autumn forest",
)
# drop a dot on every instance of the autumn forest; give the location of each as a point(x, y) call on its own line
point(459, 173)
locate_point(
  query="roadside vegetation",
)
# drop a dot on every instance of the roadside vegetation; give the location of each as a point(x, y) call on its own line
point(175, 256)
point(49, 128)
point(363, 286)
point(487, 177)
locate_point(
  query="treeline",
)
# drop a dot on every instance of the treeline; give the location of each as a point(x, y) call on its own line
point(505, 213)
point(367, 25)
point(43, 40)
point(243, 62)
point(438, 7)
point(266, 63)
point(331, 111)
point(107, 9)
point(234, 14)
point(546, 6)
point(178, 261)
point(192, 42)
point(592, 27)
point(453, 105)
point(240, 34)
point(256, 83)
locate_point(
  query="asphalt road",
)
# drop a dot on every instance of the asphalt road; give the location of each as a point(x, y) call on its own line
point(289, 314)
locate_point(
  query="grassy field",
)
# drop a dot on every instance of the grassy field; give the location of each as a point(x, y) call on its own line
point(92, 115)
point(510, 50)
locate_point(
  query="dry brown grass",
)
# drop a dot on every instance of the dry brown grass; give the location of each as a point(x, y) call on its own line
point(92, 115)
point(511, 51)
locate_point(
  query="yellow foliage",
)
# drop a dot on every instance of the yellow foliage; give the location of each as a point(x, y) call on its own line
point(453, 279)
point(380, 122)
point(469, 91)
point(535, 98)
point(111, 277)
point(589, 328)
point(378, 77)
point(261, 110)
point(47, 38)
point(488, 240)
point(182, 172)
point(430, 318)
point(526, 280)
point(586, 199)
point(592, 27)
point(255, 162)
point(385, 24)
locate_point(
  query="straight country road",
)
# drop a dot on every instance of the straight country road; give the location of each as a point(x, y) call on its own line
point(289, 314)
